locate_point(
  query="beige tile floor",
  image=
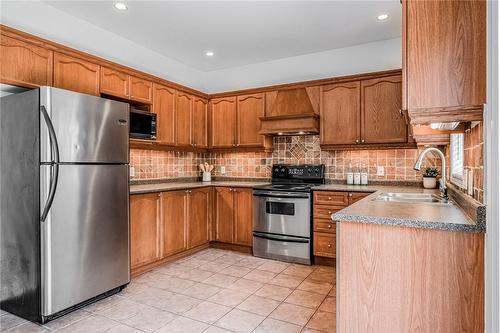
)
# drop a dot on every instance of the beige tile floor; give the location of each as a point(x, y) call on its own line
point(212, 291)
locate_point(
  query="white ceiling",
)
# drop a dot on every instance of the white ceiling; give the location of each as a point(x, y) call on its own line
point(241, 32)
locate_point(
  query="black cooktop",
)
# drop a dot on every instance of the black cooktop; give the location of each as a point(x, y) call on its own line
point(296, 178)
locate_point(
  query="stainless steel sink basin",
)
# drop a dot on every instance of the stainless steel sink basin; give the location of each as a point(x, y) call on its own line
point(411, 197)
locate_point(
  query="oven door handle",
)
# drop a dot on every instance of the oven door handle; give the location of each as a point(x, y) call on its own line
point(280, 238)
point(281, 196)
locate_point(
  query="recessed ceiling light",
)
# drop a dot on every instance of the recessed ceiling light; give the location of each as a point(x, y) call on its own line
point(120, 6)
point(209, 53)
point(383, 17)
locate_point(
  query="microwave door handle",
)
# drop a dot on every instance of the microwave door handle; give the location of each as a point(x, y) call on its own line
point(54, 165)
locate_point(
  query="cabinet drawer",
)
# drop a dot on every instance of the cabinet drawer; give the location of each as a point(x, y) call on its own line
point(324, 245)
point(325, 211)
point(331, 198)
point(323, 225)
point(356, 196)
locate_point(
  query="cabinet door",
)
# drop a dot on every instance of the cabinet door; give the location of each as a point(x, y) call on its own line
point(144, 229)
point(199, 120)
point(164, 107)
point(114, 82)
point(24, 64)
point(224, 214)
point(446, 54)
point(174, 222)
point(243, 216)
point(340, 114)
point(356, 196)
point(223, 122)
point(184, 109)
point(198, 217)
point(76, 74)
point(249, 109)
point(382, 120)
point(141, 90)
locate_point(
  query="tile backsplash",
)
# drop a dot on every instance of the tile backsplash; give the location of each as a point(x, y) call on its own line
point(397, 163)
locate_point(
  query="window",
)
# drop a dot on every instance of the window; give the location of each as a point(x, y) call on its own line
point(457, 158)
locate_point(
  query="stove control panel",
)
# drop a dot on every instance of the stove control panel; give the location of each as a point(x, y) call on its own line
point(305, 171)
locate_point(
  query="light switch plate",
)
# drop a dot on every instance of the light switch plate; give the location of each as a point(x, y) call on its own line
point(222, 170)
point(132, 171)
point(380, 171)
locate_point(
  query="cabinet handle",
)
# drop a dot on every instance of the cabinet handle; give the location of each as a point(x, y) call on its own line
point(329, 245)
point(329, 198)
point(330, 226)
point(363, 140)
point(350, 194)
point(329, 212)
point(357, 140)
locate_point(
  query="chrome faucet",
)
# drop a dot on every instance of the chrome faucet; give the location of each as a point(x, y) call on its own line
point(442, 181)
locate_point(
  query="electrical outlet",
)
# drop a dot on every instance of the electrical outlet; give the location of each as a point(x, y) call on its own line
point(132, 171)
point(222, 170)
point(380, 171)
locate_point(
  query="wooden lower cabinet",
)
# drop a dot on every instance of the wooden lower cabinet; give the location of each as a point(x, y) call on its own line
point(356, 196)
point(198, 216)
point(174, 222)
point(168, 223)
point(145, 231)
point(325, 245)
point(233, 215)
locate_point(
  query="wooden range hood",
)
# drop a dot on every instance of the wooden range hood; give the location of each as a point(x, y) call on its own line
point(292, 112)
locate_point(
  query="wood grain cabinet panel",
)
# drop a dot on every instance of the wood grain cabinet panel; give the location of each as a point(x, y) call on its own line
point(249, 110)
point(445, 59)
point(184, 109)
point(174, 212)
point(324, 211)
point(243, 216)
point(324, 225)
point(331, 198)
point(114, 83)
point(223, 122)
point(141, 90)
point(24, 64)
point(199, 123)
point(356, 196)
point(382, 119)
point(198, 213)
point(76, 74)
point(164, 107)
point(324, 245)
point(340, 114)
point(144, 229)
point(224, 214)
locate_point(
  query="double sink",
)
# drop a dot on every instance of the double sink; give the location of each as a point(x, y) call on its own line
point(412, 197)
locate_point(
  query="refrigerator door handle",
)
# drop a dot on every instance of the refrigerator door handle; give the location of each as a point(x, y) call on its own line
point(54, 167)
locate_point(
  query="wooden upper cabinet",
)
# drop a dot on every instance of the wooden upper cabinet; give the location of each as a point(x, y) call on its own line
point(199, 123)
point(224, 214)
point(249, 109)
point(76, 74)
point(141, 90)
point(114, 83)
point(144, 229)
point(243, 216)
point(24, 64)
point(174, 212)
point(223, 122)
point(340, 114)
point(198, 217)
point(445, 59)
point(184, 109)
point(382, 120)
point(164, 107)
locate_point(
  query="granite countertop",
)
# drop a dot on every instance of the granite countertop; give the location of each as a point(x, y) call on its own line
point(416, 215)
point(164, 187)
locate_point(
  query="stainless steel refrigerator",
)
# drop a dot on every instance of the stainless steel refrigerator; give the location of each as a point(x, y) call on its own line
point(64, 209)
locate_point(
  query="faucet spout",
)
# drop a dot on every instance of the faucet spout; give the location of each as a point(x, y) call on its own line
point(442, 181)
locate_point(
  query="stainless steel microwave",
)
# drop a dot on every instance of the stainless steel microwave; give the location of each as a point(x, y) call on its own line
point(142, 124)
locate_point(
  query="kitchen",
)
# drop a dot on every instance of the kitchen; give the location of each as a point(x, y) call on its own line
point(253, 186)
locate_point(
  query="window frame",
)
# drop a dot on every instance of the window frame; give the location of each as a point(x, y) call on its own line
point(456, 178)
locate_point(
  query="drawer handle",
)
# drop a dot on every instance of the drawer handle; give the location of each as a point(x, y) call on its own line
point(329, 198)
point(329, 245)
point(329, 212)
point(329, 226)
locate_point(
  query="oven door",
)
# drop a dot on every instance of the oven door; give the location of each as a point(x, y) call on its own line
point(286, 248)
point(283, 213)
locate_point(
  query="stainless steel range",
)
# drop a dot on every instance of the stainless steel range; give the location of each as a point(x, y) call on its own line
point(282, 213)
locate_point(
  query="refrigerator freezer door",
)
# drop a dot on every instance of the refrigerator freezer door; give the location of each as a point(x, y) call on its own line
point(88, 129)
point(85, 237)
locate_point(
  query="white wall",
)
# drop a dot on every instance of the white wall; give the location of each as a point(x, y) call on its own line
point(48, 22)
point(350, 60)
